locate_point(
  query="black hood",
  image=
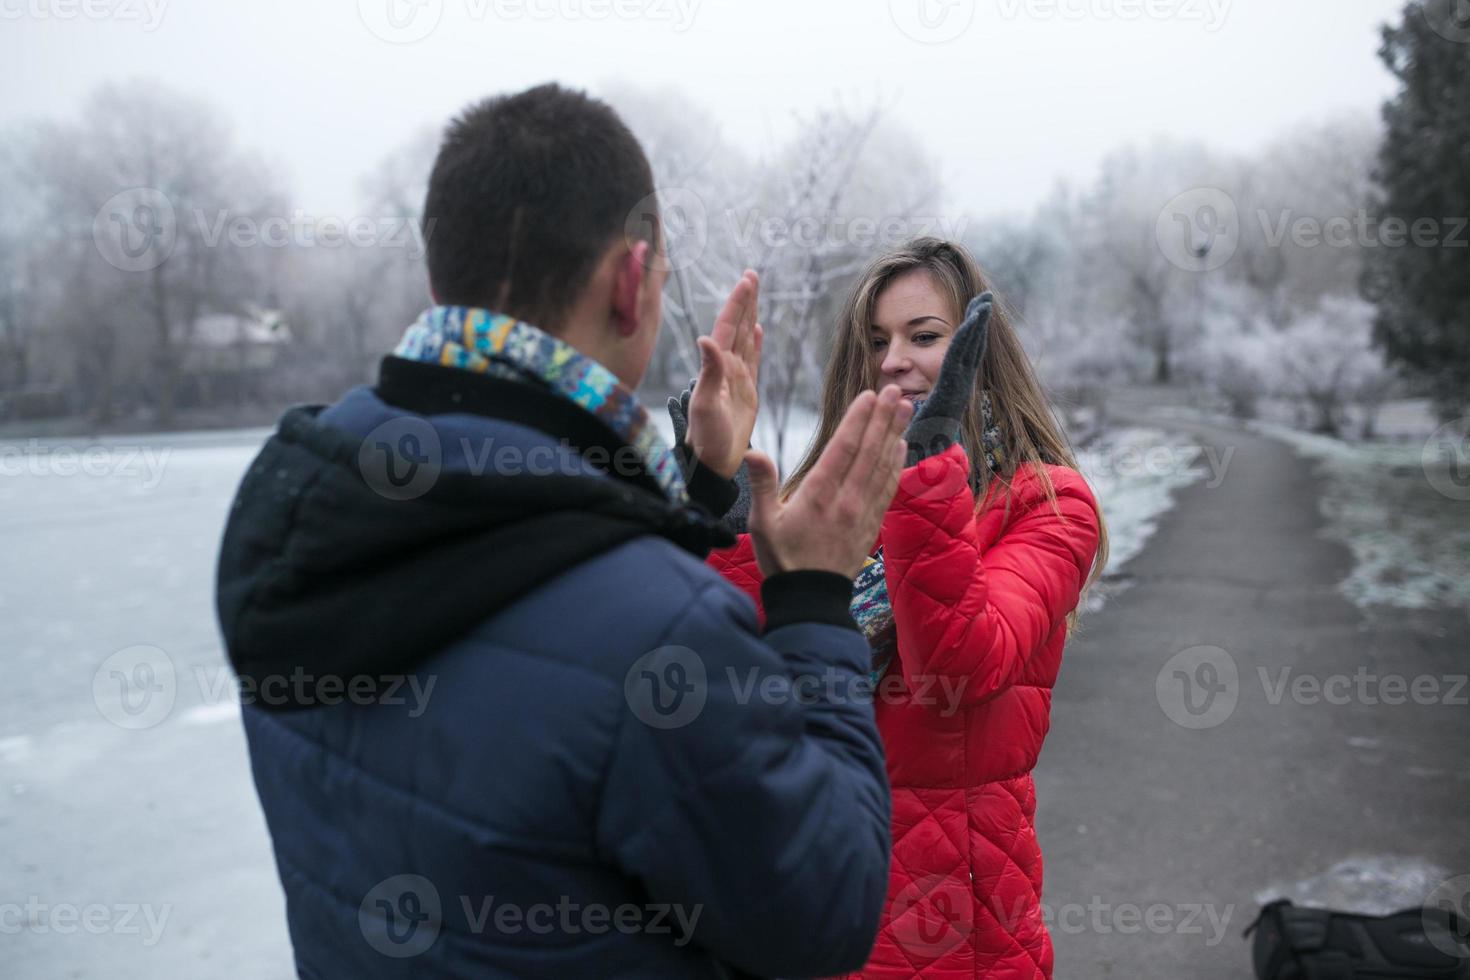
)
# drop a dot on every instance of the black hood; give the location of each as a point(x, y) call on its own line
point(322, 574)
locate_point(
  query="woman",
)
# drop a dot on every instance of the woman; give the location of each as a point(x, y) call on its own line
point(970, 594)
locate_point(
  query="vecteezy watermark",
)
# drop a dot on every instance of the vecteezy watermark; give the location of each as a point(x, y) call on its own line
point(684, 220)
point(135, 687)
point(137, 229)
point(1199, 230)
point(401, 459)
point(304, 230)
point(402, 916)
point(1130, 460)
point(668, 687)
point(1446, 917)
point(409, 21)
point(935, 913)
point(404, 458)
point(928, 473)
point(1450, 19)
point(830, 230)
point(147, 12)
point(146, 464)
point(94, 918)
point(1210, 13)
point(567, 917)
point(1363, 687)
point(1446, 459)
point(1102, 918)
point(687, 227)
point(932, 21)
point(301, 688)
point(1200, 687)
point(138, 687)
point(1361, 230)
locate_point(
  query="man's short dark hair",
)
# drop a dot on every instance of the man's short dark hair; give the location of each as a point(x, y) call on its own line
point(528, 190)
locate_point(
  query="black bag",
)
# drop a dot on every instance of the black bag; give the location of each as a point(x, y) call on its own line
point(1295, 943)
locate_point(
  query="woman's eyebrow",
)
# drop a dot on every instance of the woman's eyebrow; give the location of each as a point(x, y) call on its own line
point(912, 323)
point(921, 319)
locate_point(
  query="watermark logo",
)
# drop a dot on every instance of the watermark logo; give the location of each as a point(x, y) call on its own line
point(1446, 917)
point(408, 21)
point(1201, 687)
point(1446, 459)
point(932, 915)
point(95, 919)
point(1199, 231)
point(831, 229)
point(135, 687)
point(1198, 688)
point(400, 21)
point(928, 437)
point(402, 458)
point(1450, 19)
point(136, 229)
point(667, 687)
point(685, 222)
point(932, 21)
point(147, 12)
point(401, 916)
point(1210, 13)
point(146, 464)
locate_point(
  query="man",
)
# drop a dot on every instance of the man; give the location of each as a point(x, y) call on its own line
point(503, 720)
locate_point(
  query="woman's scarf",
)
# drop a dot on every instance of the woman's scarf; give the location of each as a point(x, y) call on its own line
point(492, 343)
point(870, 605)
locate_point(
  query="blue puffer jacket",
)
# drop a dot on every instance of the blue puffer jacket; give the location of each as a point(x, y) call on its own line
point(597, 766)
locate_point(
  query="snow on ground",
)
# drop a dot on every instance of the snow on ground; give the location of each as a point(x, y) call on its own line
point(1134, 474)
point(1400, 504)
point(136, 847)
point(1375, 884)
point(1402, 510)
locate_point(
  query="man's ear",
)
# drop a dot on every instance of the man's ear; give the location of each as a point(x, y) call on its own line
point(632, 269)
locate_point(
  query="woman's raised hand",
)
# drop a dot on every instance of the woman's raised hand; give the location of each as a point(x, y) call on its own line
point(936, 424)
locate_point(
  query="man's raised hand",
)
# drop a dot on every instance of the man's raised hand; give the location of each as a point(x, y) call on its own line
point(723, 405)
point(833, 518)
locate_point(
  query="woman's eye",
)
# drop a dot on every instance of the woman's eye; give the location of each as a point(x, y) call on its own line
point(926, 338)
point(879, 344)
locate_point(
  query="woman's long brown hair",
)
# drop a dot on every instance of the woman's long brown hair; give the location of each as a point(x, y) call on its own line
point(1030, 432)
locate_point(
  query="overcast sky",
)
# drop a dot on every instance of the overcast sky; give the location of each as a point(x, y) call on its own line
point(1009, 94)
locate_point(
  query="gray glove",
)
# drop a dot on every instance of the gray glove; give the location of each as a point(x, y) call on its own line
point(936, 422)
point(738, 516)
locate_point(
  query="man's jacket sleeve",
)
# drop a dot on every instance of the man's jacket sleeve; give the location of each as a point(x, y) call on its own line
point(761, 802)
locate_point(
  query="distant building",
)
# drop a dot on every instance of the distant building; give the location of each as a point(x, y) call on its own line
point(232, 357)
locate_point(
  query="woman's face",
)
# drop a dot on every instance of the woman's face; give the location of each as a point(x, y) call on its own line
point(911, 329)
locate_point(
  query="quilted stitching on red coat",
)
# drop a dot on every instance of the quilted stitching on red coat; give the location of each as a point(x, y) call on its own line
point(965, 876)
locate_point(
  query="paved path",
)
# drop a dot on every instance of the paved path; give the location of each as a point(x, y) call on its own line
point(1137, 810)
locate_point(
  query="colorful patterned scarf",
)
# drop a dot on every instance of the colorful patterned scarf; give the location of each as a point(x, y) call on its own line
point(491, 343)
point(870, 605)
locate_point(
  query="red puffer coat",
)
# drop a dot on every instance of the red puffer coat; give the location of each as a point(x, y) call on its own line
point(979, 611)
